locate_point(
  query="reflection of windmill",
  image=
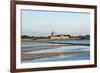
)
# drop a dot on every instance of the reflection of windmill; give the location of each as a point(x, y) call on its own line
point(53, 33)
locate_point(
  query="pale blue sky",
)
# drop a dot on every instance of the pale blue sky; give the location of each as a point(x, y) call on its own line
point(42, 23)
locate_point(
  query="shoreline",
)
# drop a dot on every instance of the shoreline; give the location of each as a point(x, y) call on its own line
point(30, 40)
point(36, 48)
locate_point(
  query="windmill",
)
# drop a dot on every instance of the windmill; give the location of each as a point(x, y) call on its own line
point(53, 33)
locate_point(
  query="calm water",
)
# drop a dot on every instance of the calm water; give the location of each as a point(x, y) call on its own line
point(73, 57)
point(44, 43)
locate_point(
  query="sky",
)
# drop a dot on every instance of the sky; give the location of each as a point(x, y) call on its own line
point(42, 23)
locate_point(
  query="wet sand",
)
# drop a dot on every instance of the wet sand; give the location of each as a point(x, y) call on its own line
point(44, 55)
point(26, 55)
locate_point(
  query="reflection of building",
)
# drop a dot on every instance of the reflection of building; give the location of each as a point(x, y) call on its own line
point(58, 37)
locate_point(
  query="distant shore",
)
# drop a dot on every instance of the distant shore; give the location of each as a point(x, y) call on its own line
point(53, 36)
point(30, 40)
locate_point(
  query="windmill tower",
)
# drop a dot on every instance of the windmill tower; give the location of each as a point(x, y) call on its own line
point(53, 33)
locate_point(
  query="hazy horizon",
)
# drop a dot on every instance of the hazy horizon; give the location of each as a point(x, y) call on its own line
point(42, 23)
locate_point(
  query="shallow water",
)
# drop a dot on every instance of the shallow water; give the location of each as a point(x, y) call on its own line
point(61, 49)
point(83, 56)
point(61, 58)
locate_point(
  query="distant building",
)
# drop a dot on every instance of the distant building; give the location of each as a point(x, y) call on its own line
point(74, 37)
point(58, 37)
